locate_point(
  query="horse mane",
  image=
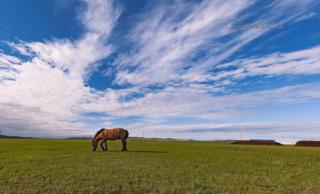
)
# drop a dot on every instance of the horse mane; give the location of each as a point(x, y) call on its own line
point(97, 133)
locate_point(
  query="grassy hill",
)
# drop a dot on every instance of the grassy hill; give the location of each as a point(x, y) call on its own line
point(69, 166)
point(13, 137)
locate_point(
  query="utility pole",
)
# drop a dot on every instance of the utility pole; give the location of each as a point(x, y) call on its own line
point(70, 133)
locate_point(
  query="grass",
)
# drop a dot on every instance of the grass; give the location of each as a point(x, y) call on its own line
point(68, 166)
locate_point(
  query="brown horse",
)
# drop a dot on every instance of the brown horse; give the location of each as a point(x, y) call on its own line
point(109, 134)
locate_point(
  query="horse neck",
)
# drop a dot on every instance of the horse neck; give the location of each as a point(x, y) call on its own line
point(97, 138)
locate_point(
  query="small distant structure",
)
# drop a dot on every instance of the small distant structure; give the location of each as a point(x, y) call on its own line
point(256, 142)
point(308, 143)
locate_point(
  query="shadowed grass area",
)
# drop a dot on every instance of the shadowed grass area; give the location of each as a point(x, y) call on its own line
point(69, 166)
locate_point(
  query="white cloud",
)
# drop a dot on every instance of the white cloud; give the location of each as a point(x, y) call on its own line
point(195, 102)
point(100, 17)
point(8, 66)
point(303, 62)
point(44, 94)
point(78, 56)
point(307, 16)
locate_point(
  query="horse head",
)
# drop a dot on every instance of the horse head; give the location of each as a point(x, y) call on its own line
point(94, 144)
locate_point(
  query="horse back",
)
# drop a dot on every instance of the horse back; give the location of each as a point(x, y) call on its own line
point(115, 133)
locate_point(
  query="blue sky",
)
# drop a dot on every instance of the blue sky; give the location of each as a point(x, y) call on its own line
point(197, 69)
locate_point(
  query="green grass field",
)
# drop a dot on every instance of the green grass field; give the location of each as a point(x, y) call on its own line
point(69, 166)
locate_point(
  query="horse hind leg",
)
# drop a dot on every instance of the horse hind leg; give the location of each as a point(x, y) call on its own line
point(124, 145)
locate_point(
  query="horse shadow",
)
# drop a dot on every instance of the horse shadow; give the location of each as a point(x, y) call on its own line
point(139, 151)
point(148, 151)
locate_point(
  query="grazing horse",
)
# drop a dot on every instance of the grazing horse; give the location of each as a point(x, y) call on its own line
point(109, 134)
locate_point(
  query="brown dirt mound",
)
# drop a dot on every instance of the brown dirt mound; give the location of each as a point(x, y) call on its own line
point(256, 142)
point(308, 143)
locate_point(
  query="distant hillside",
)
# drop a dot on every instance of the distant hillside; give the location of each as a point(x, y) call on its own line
point(79, 137)
point(13, 137)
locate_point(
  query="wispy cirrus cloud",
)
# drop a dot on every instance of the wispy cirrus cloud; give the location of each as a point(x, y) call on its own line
point(302, 62)
point(187, 45)
point(165, 41)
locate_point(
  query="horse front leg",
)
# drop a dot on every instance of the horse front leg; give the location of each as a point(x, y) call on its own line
point(101, 144)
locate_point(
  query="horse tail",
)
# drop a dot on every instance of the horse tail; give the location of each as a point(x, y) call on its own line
point(127, 134)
